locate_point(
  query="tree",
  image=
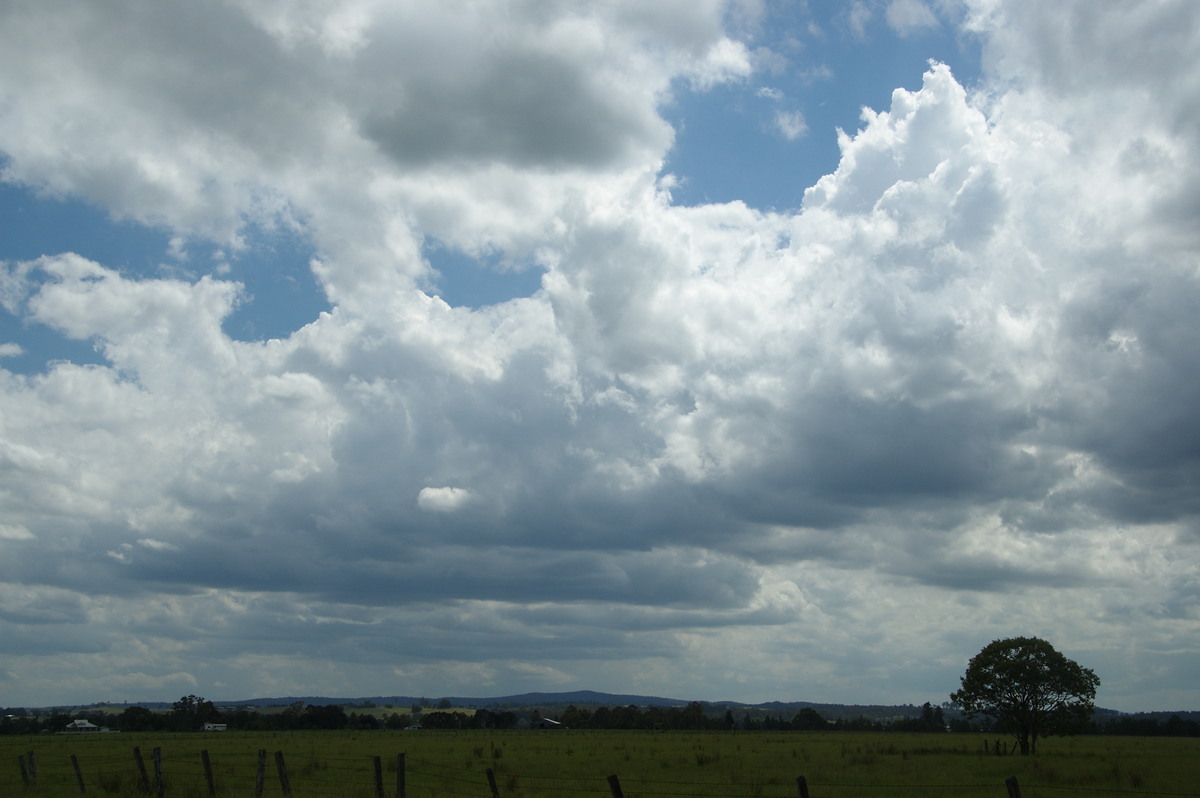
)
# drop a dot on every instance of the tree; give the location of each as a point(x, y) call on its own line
point(397, 721)
point(1029, 688)
point(139, 719)
point(191, 712)
point(932, 718)
point(440, 720)
point(808, 719)
point(330, 716)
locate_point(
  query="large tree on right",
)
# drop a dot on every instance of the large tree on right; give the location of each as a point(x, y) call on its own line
point(1029, 688)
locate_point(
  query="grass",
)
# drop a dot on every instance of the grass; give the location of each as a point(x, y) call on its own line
point(539, 764)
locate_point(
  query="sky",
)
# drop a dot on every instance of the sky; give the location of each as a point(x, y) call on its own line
point(708, 349)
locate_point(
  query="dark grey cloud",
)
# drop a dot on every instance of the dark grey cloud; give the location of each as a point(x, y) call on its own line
point(57, 607)
point(529, 109)
point(40, 641)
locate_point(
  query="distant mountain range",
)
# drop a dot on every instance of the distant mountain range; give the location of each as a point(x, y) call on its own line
point(587, 699)
point(592, 699)
point(580, 698)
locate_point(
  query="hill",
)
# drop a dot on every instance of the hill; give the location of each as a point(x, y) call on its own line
point(550, 703)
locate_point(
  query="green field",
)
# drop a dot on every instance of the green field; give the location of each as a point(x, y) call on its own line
point(533, 764)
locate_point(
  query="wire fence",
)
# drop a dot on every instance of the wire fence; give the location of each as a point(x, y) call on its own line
point(263, 773)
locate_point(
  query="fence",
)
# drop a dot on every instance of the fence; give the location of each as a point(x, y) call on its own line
point(375, 777)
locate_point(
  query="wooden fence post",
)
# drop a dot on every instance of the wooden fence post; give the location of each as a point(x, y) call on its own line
point(614, 786)
point(143, 779)
point(24, 770)
point(285, 783)
point(1014, 789)
point(377, 763)
point(491, 777)
point(401, 789)
point(32, 769)
point(802, 786)
point(208, 773)
point(261, 775)
point(78, 774)
point(160, 785)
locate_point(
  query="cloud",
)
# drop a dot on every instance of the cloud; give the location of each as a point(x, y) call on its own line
point(157, 545)
point(38, 606)
point(791, 124)
point(858, 17)
point(442, 500)
point(952, 393)
point(906, 17)
point(16, 532)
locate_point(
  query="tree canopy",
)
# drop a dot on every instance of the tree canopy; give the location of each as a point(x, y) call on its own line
point(1029, 688)
point(192, 711)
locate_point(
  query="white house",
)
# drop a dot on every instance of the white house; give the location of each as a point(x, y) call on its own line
point(215, 727)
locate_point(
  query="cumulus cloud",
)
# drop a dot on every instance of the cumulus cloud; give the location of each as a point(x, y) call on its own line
point(958, 380)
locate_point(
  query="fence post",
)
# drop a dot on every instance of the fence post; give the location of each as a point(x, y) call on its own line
point(160, 785)
point(614, 786)
point(261, 775)
point(208, 774)
point(401, 790)
point(143, 779)
point(377, 762)
point(802, 786)
point(78, 774)
point(285, 783)
point(1014, 789)
point(491, 777)
point(32, 769)
point(24, 770)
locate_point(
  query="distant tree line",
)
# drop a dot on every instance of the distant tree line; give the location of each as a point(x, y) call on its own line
point(190, 713)
point(695, 717)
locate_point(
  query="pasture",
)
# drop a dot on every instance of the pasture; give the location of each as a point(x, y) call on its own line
point(539, 764)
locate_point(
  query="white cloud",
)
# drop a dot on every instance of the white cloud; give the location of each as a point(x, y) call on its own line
point(858, 17)
point(791, 124)
point(157, 545)
point(14, 532)
point(726, 60)
point(443, 500)
point(906, 17)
